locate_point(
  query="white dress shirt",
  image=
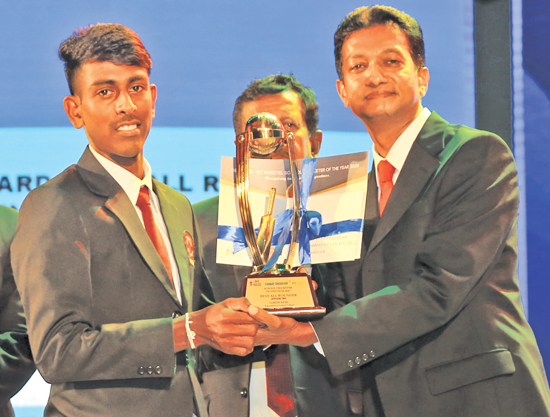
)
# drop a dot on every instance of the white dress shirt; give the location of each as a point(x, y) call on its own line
point(401, 147)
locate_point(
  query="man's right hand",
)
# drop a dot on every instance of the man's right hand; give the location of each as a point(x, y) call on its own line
point(225, 326)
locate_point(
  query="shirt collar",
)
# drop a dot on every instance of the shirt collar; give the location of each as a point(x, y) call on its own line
point(128, 181)
point(401, 147)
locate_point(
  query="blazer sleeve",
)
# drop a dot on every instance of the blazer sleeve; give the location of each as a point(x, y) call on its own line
point(16, 365)
point(51, 258)
point(463, 225)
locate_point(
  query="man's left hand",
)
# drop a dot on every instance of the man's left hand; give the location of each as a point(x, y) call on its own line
point(280, 330)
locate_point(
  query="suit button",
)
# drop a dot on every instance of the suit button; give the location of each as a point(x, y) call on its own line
point(244, 393)
point(150, 370)
point(365, 357)
point(158, 370)
point(176, 314)
point(372, 354)
point(141, 370)
point(357, 360)
point(350, 364)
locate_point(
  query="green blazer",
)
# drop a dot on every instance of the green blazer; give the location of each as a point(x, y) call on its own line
point(434, 319)
point(16, 365)
point(98, 299)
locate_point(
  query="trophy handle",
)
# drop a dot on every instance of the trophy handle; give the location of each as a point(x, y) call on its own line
point(244, 201)
point(296, 214)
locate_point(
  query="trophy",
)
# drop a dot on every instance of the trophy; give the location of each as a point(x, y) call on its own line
point(278, 288)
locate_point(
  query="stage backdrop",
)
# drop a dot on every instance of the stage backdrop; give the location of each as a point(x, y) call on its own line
point(204, 54)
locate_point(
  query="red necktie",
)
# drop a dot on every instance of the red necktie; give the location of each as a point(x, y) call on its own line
point(280, 395)
point(144, 204)
point(385, 178)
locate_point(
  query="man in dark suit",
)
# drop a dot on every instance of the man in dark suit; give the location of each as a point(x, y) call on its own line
point(106, 258)
point(433, 320)
point(241, 391)
point(16, 365)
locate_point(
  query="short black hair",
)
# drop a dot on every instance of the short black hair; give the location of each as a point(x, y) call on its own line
point(276, 84)
point(103, 42)
point(364, 17)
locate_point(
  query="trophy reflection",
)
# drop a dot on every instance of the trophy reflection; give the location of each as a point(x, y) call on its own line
point(279, 288)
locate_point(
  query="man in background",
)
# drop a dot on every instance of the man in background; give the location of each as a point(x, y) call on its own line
point(16, 365)
point(433, 320)
point(107, 260)
point(241, 391)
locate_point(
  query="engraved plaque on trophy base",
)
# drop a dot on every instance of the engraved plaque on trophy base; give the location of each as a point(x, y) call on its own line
point(285, 293)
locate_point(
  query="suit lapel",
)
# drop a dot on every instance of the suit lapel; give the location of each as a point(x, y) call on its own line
point(101, 183)
point(121, 207)
point(174, 225)
point(420, 165)
point(416, 172)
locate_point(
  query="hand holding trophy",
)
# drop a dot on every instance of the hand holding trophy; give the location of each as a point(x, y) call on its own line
point(280, 289)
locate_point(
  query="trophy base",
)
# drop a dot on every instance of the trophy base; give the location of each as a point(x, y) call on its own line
point(286, 293)
point(299, 314)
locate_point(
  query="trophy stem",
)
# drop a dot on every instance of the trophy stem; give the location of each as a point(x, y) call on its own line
point(267, 224)
point(244, 201)
point(296, 216)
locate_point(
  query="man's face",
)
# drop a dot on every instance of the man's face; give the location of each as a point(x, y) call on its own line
point(116, 105)
point(380, 79)
point(287, 106)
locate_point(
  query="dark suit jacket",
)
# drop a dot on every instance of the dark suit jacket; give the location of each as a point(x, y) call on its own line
point(16, 365)
point(98, 298)
point(434, 320)
point(316, 392)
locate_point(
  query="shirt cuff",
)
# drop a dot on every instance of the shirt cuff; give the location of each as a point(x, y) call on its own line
point(317, 344)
